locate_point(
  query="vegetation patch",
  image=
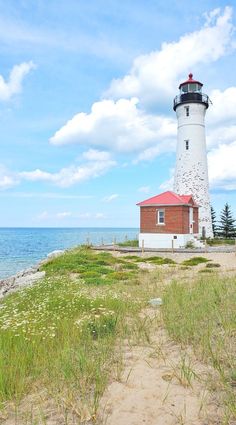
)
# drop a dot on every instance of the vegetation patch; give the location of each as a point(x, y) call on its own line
point(132, 243)
point(203, 315)
point(205, 271)
point(212, 265)
point(195, 261)
point(159, 260)
point(63, 333)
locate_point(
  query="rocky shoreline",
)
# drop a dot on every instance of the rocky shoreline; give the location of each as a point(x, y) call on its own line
point(26, 277)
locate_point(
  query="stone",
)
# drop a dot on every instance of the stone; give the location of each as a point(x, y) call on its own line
point(55, 253)
point(154, 302)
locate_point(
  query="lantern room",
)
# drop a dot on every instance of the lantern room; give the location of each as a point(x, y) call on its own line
point(191, 92)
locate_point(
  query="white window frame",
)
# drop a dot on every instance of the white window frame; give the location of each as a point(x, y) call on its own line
point(160, 223)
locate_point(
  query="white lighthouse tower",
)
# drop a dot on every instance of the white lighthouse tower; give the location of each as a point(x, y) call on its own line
point(191, 172)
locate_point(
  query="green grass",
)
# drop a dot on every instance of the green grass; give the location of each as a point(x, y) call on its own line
point(203, 314)
point(154, 259)
point(218, 241)
point(62, 334)
point(194, 261)
point(212, 265)
point(129, 243)
point(159, 260)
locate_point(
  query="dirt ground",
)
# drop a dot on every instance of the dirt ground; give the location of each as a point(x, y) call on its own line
point(153, 388)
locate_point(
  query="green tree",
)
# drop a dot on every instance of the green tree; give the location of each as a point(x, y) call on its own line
point(226, 228)
point(213, 220)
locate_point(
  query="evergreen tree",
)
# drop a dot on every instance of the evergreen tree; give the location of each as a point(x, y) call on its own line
point(213, 219)
point(226, 228)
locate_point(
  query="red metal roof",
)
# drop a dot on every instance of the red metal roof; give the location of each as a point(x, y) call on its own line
point(190, 80)
point(169, 198)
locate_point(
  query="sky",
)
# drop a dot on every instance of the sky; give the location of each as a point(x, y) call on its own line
point(86, 93)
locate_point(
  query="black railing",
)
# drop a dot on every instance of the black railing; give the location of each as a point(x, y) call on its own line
point(191, 98)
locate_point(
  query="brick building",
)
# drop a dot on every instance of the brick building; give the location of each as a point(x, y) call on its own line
point(168, 217)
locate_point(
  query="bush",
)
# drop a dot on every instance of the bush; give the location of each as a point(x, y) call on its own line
point(195, 261)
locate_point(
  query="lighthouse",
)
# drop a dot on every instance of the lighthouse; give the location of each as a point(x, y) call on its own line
point(191, 171)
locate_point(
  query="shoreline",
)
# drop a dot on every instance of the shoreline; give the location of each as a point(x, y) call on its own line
point(26, 277)
point(31, 275)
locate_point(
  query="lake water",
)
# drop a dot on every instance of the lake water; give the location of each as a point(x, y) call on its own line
point(21, 248)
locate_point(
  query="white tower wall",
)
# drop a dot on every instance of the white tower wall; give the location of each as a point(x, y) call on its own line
point(191, 172)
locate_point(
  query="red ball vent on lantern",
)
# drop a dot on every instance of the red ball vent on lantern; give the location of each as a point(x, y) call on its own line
point(190, 81)
point(191, 92)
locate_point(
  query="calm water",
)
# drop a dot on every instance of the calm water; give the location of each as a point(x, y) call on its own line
point(22, 247)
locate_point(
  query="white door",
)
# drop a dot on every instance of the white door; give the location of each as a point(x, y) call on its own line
point(190, 220)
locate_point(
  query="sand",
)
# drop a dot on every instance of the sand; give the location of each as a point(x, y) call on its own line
point(152, 389)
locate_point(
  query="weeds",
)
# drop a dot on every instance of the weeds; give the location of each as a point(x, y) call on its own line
point(194, 261)
point(131, 243)
point(203, 315)
point(62, 333)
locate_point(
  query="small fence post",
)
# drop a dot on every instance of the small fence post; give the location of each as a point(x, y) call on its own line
point(172, 246)
point(206, 247)
point(126, 238)
point(102, 242)
point(142, 246)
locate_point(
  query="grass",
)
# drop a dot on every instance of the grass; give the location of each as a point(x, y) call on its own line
point(129, 243)
point(154, 259)
point(212, 265)
point(66, 334)
point(62, 334)
point(203, 315)
point(194, 261)
point(218, 241)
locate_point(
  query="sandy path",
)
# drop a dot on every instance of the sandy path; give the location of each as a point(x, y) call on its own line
point(153, 388)
point(154, 391)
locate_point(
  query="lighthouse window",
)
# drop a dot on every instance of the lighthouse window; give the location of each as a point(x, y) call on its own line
point(160, 216)
point(187, 111)
point(187, 145)
point(192, 87)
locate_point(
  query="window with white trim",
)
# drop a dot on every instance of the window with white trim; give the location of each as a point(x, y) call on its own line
point(160, 216)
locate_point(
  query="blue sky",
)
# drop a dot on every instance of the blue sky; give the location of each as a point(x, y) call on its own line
point(86, 120)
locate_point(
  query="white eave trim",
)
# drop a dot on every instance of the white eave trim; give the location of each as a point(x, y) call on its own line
point(169, 205)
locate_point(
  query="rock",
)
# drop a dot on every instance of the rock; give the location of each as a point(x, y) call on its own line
point(55, 253)
point(154, 302)
point(28, 279)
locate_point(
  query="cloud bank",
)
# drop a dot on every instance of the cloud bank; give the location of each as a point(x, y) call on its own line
point(14, 84)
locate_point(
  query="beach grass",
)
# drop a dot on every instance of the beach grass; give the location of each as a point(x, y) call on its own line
point(129, 243)
point(194, 261)
point(62, 333)
point(202, 314)
point(66, 333)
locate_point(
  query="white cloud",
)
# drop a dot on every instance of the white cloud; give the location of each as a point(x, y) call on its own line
point(95, 155)
point(124, 125)
point(222, 169)
point(7, 179)
point(168, 184)
point(14, 84)
point(155, 76)
point(43, 215)
point(144, 189)
point(64, 214)
point(120, 126)
point(45, 195)
point(100, 216)
point(111, 197)
point(71, 175)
